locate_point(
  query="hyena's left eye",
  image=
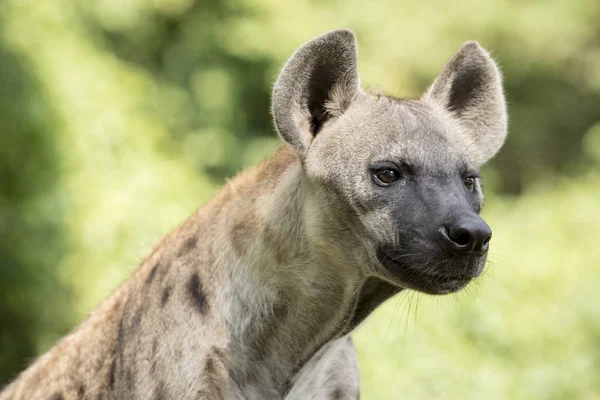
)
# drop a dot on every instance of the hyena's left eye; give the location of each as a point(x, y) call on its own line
point(470, 183)
point(385, 176)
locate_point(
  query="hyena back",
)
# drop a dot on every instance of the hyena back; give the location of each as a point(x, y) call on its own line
point(255, 296)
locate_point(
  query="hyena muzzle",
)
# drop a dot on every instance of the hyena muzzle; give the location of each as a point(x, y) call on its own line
point(256, 295)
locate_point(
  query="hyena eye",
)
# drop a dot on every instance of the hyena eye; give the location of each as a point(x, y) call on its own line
point(385, 176)
point(470, 183)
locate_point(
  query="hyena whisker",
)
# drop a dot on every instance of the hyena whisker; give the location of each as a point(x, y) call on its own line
point(416, 310)
point(414, 301)
point(397, 304)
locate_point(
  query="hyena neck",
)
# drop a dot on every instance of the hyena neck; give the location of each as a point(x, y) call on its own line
point(287, 302)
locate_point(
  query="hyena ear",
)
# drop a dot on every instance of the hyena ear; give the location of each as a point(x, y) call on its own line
point(318, 83)
point(470, 87)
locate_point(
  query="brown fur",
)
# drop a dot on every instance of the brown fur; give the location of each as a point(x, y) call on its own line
point(255, 295)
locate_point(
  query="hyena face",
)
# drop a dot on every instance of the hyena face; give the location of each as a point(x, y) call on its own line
point(396, 182)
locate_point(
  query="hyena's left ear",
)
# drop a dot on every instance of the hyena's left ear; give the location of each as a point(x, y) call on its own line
point(318, 83)
point(470, 87)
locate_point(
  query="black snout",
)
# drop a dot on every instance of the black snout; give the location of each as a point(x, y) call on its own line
point(467, 234)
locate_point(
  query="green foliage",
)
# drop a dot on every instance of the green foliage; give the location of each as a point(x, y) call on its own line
point(119, 118)
point(32, 299)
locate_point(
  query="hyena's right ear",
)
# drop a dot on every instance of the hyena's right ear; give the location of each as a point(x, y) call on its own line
point(470, 87)
point(318, 83)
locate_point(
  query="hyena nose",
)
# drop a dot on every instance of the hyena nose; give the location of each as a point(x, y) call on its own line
point(468, 234)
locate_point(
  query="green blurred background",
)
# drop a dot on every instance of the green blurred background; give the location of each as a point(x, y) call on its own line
point(118, 118)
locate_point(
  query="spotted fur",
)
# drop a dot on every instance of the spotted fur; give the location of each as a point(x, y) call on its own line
point(255, 296)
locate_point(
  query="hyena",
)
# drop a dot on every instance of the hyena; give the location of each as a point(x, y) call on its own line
point(256, 295)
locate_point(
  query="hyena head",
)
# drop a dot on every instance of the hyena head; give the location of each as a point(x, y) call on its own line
point(394, 184)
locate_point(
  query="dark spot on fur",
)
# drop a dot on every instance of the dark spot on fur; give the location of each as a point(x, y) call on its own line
point(136, 319)
point(80, 391)
point(111, 378)
point(337, 394)
point(151, 274)
point(57, 396)
point(203, 394)
point(281, 309)
point(188, 245)
point(154, 347)
point(196, 292)
point(118, 351)
point(165, 296)
point(121, 332)
point(210, 366)
point(214, 381)
point(153, 369)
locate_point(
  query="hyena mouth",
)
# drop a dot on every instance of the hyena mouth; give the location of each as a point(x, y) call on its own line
point(430, 275)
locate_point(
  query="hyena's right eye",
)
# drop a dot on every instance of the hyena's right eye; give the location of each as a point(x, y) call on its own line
point(385, 176)
point(469, 183)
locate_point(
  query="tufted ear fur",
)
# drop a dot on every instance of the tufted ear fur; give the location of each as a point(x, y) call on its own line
point(318, 83)
point(470, 87)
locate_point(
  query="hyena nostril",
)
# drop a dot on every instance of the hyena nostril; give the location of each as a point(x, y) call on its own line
point(463, 239)
point(486, 244)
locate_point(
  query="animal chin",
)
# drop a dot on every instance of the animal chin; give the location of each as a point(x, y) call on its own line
point(430, 277)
